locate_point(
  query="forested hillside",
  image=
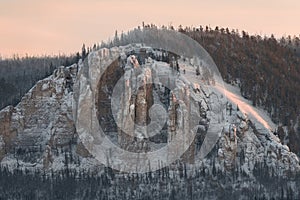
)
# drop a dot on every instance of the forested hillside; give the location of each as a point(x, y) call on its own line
point(161, 184)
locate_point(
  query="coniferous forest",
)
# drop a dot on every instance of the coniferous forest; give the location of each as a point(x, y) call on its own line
point(161, 184)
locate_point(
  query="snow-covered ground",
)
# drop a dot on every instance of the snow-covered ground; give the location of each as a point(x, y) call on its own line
point(258, 116)
point(253, 113)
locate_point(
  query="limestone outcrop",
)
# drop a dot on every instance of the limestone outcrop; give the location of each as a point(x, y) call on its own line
point(42, 131)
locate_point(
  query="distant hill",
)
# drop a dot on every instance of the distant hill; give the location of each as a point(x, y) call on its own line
point(267, 71)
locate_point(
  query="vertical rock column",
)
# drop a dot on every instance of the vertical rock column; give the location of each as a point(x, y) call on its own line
point(141, 109)
point(179, 121)
point(126, 115)
point(172, 122)
point(144, 101)
point(135, 103)
point(190, 153)
point(228, 147)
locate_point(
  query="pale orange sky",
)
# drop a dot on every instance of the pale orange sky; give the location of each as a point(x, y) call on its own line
point(41, 27)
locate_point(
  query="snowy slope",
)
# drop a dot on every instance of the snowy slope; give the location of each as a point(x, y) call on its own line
point(258, 116)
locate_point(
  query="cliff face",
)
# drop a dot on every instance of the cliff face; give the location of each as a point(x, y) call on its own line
point(39, 133)
point(132, 106)
point(57, 123)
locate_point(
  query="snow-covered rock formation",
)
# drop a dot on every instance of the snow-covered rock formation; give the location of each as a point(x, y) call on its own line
point(232, 144)
point(39, 133)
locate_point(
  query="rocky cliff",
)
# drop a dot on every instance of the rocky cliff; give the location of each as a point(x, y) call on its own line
point(39, 133)
point(52, 128)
